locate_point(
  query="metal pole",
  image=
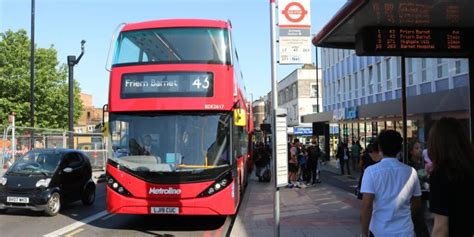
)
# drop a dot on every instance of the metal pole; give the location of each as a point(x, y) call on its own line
point(71, 60)
point(32, 73)
point(13, 139)
point(276, 211)
point(404, 110)
point(471, 96)
point(317, 80)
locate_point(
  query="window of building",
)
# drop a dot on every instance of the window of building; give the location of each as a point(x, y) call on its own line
point(371, 80)
point(387, 69)
point(356, 86)
point(315, 108)
point(411, 71)
point(379, 77)
point(314, 90)
point(295, 110)
point(338, 91)
point(442, 67)
point(295, 92)
point(424, 76)
point(461, 66)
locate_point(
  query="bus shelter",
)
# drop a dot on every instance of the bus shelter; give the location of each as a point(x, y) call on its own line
point(408, 29)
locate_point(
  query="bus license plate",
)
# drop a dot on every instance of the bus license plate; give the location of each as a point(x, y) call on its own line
point(165, 210)
point(18, 199)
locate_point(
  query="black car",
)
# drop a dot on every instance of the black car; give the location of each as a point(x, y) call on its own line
point(43, 179)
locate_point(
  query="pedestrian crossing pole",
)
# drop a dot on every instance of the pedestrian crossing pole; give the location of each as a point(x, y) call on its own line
point(274, 102)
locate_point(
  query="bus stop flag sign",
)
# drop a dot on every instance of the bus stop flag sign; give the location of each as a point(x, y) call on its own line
point(294, 29)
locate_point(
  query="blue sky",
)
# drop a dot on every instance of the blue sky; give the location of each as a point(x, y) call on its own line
point(64, 23)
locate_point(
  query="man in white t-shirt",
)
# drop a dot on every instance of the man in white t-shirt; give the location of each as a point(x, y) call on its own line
point(391, 191)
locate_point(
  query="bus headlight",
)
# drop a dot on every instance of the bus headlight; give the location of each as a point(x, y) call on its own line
point(116, 186)
point(218, 185)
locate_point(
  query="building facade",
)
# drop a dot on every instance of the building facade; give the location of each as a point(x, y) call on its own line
point(90, 116)
point(297, 93)
point(362, 94)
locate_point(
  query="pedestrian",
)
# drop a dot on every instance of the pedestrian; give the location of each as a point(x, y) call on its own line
point(314, 154)
point(343, 157)
point(415, 160)
point(262, 159)
point(371, 156)
point(451, 180)
point(295, 150)
point(355, 154)
point(388, 189)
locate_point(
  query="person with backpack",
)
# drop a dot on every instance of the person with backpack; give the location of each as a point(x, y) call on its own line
point(314, 153)
point(261, 159)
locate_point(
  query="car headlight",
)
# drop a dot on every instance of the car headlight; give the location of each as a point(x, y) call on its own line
point(43, 183)
point(3, 180)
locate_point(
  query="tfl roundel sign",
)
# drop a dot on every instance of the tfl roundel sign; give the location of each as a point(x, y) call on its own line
point(294, 13)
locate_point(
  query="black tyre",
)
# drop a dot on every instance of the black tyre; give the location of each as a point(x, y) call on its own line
point(53, 205)
point(88, 196)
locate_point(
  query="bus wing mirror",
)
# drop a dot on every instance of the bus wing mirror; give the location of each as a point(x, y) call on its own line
point(240, 117)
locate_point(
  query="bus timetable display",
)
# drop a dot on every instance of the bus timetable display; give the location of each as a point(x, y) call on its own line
point(413, 42)
point(167, 84)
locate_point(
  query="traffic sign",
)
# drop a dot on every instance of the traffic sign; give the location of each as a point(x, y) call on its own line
point(294, 13)
point(295, 38)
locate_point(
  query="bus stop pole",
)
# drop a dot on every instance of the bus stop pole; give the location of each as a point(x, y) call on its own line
point(404, 109)
point(276, 211)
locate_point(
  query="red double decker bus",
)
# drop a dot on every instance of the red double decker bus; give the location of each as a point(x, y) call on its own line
point(178, 120)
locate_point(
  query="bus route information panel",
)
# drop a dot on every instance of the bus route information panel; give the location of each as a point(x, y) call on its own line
point(414, 42)
point(167, 84)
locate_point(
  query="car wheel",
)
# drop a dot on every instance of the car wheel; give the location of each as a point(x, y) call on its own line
point(88, 196)
point(53, 205)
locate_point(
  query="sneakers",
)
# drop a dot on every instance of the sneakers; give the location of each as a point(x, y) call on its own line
point(290, 186)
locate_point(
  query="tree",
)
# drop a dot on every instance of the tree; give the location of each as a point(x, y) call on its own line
point(51, 86)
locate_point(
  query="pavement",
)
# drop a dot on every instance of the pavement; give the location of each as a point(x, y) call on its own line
point(319, 210)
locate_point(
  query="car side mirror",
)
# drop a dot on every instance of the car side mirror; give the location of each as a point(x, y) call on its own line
point(67, 170)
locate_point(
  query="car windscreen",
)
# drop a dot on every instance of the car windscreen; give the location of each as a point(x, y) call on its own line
point(36, 162)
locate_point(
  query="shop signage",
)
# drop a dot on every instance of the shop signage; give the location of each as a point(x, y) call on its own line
point(346, 114)
point(303, 131)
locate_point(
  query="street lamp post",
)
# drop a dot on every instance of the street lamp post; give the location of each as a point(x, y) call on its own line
point(32, 73)
point(71, 62)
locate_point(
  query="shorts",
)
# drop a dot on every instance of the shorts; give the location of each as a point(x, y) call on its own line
point(292, 167)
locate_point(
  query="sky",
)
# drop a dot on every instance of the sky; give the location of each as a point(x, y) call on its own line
point(64, 23)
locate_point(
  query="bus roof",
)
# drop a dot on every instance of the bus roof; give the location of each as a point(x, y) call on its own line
point(168, 23)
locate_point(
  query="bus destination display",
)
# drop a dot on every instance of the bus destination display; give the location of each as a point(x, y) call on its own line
point(167, 84)
point(413, 42)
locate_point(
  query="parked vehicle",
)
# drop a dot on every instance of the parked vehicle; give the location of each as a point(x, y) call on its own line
point(44, 179)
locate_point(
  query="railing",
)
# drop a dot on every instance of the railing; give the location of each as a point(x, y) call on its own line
point(27, 138)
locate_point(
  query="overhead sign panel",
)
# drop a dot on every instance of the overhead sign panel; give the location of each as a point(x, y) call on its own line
point(294, 28)
point(414, 42)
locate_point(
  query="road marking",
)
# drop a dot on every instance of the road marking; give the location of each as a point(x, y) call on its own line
point(76, 225)
point(107, 217)
point(74, 232)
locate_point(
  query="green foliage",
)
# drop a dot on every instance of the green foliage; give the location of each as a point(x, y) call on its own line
point(51, 88)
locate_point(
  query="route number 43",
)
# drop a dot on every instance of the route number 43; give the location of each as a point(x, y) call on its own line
point(201, 82)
